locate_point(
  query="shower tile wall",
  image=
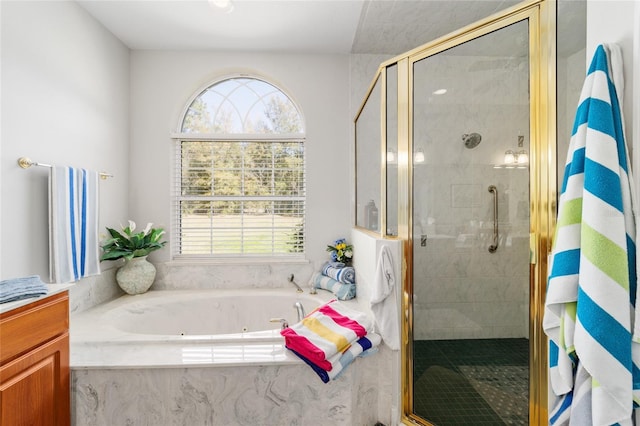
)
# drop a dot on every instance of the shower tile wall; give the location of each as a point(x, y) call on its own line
point(461, 290)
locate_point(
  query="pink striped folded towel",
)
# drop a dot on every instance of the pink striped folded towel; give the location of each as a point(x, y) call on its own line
point(327, 331)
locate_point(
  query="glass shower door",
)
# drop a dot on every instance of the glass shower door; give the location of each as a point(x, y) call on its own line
point(470, 229)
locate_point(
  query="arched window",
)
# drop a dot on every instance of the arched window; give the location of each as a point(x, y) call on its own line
point(240, 173)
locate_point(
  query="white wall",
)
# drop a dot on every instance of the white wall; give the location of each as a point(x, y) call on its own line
point(162, 84)
point(65, 101)
point(617, 21)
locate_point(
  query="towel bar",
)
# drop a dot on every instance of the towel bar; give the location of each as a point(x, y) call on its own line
point(26, 162)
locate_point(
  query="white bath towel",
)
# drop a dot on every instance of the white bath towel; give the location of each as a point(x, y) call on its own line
point(384, 303)
point(73, 224)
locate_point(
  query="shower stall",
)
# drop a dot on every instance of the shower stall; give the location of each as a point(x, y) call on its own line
point(470, 226)
point(464, 132)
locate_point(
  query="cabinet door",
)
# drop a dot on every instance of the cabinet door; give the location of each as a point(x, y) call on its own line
point(34, 388)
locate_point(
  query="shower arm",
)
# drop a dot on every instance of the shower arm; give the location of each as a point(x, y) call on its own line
point(493, 247)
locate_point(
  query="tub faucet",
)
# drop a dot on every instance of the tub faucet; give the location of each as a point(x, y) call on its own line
point(282, 321)
point(300, 309)
point(299, 290)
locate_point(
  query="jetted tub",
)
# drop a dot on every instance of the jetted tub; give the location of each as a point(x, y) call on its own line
point(187, 327)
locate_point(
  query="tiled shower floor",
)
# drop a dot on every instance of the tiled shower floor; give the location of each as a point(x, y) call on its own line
point(472, 382)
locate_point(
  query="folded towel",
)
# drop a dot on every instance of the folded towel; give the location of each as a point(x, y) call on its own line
point(326, 331)
point(343, 291)
point(21, 288)
point(339, 272)
point(364, 346)
point(73, 224)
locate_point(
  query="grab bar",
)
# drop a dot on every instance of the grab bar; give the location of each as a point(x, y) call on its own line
point(493, 247)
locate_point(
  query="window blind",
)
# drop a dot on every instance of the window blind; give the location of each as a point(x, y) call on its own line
point(239, 198)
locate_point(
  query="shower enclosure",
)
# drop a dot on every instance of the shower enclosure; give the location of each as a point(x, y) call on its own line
point(464, 129)
point(470, 201)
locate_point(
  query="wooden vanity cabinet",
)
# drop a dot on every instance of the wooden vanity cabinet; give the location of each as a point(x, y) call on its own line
point(34, 363)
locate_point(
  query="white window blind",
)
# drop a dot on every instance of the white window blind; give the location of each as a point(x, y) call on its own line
point(240, 193)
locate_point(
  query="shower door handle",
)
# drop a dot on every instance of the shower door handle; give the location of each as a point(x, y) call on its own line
point(493, 247)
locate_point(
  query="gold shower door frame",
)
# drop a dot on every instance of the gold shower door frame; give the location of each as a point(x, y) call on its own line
point(541, 16)
point(542, 178)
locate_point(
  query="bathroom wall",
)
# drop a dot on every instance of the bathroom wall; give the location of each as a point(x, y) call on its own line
point(616, 21)
point(163, 82)
point(64, 101)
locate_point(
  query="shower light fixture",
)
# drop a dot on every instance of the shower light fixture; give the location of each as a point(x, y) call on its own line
point(418, 157)
point(509, 157)
point(522, 157)
point(519, 159)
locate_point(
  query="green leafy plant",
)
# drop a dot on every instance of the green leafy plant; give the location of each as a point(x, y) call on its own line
point(128, 244)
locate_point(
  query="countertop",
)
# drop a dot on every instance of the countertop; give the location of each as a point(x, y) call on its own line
point(51, 290)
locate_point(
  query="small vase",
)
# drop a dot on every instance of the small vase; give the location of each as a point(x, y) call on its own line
point(136, 275)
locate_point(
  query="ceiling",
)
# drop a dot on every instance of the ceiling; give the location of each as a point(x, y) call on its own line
point(314, 26)
point(290, 26)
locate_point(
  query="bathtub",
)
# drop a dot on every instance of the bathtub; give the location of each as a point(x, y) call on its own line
point(188, 327)
point(207, 357)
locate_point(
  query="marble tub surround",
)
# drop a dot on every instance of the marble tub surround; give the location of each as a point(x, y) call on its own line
point(93, 291)
point(183, 274)
point(261, 395)
point(200, 379)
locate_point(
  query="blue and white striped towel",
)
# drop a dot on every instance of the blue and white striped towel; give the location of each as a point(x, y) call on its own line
point(591, 293)
point(73, 224)
point(341, 290)
point(339, 272)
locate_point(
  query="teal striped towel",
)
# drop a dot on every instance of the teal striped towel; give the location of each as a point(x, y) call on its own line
point(339, 272)
point(343, 291)
point(21, 288)
point(591, 291)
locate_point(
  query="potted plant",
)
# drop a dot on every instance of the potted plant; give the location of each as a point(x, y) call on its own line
point(137, 274)
point(341, 252)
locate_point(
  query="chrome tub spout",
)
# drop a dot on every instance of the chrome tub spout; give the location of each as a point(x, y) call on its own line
point(283, 322)
point(300, 309)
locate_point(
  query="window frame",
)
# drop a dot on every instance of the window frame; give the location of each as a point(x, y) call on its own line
point(176, 186)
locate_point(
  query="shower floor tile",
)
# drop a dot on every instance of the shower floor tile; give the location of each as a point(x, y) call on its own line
point(472, 382)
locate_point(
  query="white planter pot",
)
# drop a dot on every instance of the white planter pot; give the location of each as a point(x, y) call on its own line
point(136, 275)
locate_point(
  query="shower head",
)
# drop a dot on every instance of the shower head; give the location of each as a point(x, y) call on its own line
point(471, 140)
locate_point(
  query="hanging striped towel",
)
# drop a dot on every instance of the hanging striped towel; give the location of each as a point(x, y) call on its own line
point(73, 224)
point(327, 331)
point(591, 293)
